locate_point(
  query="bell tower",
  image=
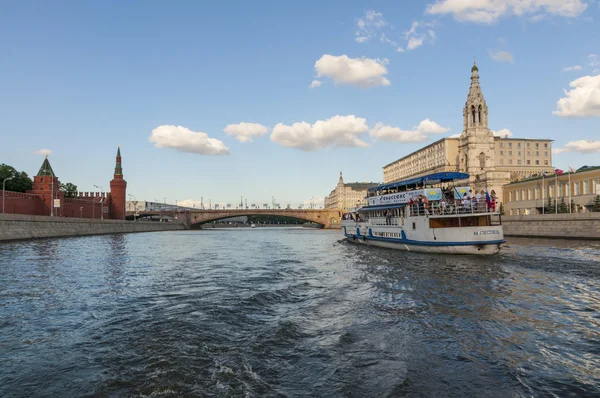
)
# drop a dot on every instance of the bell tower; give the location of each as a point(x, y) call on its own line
point(476, 143)
point(118, 191)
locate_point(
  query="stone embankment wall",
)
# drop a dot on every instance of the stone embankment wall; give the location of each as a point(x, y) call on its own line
point(570, 226)
point(19, 226)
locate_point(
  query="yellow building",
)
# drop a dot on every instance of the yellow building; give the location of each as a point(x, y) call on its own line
point(347, 196)
point(531, 196)
point(491, 161)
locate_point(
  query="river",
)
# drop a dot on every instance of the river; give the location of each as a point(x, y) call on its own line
point(295, 312)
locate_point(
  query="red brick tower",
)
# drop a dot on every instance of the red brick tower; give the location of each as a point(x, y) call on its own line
point(118, 191)
point(46, 185)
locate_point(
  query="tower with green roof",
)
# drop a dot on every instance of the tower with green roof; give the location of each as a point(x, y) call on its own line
point(118, 191)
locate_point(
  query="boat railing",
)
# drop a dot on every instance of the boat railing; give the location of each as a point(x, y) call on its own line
point(385, 220)
point(436, 209)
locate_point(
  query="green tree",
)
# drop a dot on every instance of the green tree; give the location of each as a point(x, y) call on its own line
point(20, 180)
point(549, 208)
point(562, 206)
point(501, 209)
point(596, 203)
point(69, 189)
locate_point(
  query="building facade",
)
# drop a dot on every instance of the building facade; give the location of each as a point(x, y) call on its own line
point(46, 199)
point(347, 196)
point(531, 196)
point(490, 161)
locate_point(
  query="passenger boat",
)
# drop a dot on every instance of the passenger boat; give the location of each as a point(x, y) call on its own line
point(419, 215)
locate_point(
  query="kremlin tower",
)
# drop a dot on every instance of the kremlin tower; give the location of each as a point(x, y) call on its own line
point(118, 191)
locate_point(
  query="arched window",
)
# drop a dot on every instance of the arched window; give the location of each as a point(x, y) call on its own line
point(479, 114)
point(482, 160)
point(472, 114)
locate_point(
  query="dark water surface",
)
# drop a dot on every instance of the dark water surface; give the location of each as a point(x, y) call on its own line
point(295, 312)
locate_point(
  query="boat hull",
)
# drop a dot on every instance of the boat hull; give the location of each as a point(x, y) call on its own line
point(479, 248)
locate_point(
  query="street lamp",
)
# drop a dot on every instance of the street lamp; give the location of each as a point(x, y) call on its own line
point(101, 202)
point(3, 191)
point(134, 206)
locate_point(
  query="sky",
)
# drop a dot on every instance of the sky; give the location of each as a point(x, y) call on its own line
point(270, 100)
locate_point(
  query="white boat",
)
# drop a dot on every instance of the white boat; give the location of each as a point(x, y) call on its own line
point(394, 218)
point(253, 226)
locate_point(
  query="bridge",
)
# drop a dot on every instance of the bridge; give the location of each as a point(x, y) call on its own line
point(325, 217)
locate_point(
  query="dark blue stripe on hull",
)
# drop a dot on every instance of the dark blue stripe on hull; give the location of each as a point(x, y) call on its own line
point(422, 243)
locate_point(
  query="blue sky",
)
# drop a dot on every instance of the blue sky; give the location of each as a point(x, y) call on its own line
point(79, 78)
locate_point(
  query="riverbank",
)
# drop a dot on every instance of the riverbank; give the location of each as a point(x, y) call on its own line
point(22, 227)
point(565, 226)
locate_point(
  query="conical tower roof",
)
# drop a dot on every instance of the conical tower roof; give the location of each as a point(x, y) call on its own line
point(46, 169)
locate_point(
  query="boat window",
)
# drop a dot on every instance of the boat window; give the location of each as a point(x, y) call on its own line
point(414, 226)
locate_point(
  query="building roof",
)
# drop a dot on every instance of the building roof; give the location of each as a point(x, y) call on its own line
point(46, 169)
point(522, 139)
point(361, 185)
point(579, 171)
point(429, 179)
point(419, 150)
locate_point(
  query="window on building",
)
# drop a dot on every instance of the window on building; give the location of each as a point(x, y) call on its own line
point(537, 153)
point(537, 162)
point(546, 153)
point(519, 145)
point(529, 162)
point(509, 153)
point(528, 153)
point(510, 144)
point(518, 195)
point(576, 188)
point(567, 190)
point(546, 145)
point(537, 144)
point(482, 160)
point(529, 194)
point(546, 162)
point(596, 187)
point(550, 190)
point(510, 196)
point(523, 197)
point(509, 161)
point(502, 145)
point(537, 193)
point(501, 153)
point(519, 161)
point(528, 145)
point(501, 161)
point(586, 187)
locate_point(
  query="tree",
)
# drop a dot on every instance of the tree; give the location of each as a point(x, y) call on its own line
point(69, 189)
point(20, 180)
point(596, 203)
point(549, 208)
point(501, 209)
point(562, 206)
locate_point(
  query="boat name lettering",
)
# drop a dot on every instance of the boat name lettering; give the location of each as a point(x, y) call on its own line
point(490, 232)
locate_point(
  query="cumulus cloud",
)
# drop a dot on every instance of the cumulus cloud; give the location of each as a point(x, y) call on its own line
point(315, 83)
point(581, 146)
point(582, 100)
point(419, 133)
point(338, 131)
point(487, 12)
point(501, 56)
point(572, 68)
point(244, 132)
point(414, 42)
point(184, 140)
point(42, 152)
point(369, 25)
point(503, 133)
point(360, 72)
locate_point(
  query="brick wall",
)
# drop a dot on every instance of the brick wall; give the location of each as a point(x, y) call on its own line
point(574, 225)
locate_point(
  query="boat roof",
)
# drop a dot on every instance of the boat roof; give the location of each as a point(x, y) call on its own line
point(382, 207)
point(428, 179)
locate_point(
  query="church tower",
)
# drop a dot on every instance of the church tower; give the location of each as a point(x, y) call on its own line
point(476, 143)
point(341, 180)
point(118, 191)
point(46, 185)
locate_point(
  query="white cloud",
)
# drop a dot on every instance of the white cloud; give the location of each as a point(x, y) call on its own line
point(361, 72)
point(419, 33)
point(581, 146)
point(414, 42)
point(315, 83)
point(417, 134)
point(501, 56)
point(489, 11)
point(503, 133)
point(244, 132)
point(184, 140)
point(338, 131)
point(369, 25)
point(400, 50)
point(457, 135)
point(582, 100)
point(42, 152)
point(572, 68)
point(593, 59)
point(384, 39)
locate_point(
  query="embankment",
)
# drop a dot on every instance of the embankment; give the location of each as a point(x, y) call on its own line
point(18, 226)
point(566, 226)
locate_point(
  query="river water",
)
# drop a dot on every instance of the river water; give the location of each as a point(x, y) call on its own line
point(295, 312)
